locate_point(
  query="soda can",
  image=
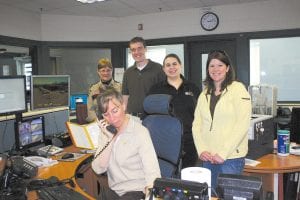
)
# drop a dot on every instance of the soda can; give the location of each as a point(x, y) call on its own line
point(283, 142)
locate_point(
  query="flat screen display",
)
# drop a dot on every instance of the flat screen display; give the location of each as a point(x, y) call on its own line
point(49, 91)
point(12, 94)
point(29, 132)
point(77, 98)
point(233, 186)
point(295, 125)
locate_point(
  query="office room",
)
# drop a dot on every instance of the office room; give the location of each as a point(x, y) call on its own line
point(68, 38)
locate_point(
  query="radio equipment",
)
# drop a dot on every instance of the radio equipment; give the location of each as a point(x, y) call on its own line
point(23, 167)
point(171, 188)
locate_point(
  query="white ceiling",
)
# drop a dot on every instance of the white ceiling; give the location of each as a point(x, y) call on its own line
point(113, 8)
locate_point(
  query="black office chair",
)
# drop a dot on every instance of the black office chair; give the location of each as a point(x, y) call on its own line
point(166, 132)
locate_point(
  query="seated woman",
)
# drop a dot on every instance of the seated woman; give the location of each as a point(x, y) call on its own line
point(128, 156)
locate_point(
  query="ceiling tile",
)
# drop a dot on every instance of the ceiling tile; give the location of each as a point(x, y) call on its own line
point(112, 8)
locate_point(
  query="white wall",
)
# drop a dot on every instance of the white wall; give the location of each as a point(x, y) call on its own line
point(257, 16)
point(20, 24)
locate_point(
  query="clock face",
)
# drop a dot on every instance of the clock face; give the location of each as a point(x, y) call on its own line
point(209, 21)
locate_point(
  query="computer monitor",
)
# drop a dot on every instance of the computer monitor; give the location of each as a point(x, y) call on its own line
point(48, 91)
point(12, 95)
point(29, 132)
point(77, 97)
point(233, 186)
point(295, 125)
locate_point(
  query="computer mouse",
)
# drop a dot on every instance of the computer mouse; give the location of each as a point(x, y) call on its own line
point(67, 156)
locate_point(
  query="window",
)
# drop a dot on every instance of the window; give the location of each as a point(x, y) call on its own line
point(80, 64)
point(276, 62)
point(158, 53)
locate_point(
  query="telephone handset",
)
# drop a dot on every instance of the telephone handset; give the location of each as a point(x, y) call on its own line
point(111, 128)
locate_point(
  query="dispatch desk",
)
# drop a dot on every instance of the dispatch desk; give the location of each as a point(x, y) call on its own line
point(88, 185)
point(66, 170)
point(276, 166)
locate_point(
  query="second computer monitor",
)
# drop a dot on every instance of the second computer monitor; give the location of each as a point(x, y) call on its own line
point(30, 132)
point(49, 91)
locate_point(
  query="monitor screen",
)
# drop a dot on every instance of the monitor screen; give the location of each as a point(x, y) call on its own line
point(30, 132)
point(233, 186)
point(295, 125)
point(77, 98)
point(12, 94)
point(48, 91)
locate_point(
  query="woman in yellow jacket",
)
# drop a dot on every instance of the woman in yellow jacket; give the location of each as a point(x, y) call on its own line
point(222, 119)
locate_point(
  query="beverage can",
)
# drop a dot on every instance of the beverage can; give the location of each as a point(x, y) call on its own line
point(283, 142)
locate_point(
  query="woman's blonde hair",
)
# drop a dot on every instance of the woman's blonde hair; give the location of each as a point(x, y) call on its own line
point(104, 62)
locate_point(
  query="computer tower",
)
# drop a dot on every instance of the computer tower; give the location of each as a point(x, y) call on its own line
point(261, 133)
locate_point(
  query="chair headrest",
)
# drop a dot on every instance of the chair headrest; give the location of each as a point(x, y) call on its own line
point(158, 104)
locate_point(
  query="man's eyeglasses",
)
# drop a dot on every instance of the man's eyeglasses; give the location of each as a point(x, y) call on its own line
point(138, 49)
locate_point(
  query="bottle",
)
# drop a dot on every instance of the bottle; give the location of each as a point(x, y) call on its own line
point(283, 142)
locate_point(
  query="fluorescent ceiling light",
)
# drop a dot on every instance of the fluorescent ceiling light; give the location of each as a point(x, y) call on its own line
point(89, 1)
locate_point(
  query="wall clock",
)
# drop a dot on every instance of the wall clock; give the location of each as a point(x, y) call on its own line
point(209, 21)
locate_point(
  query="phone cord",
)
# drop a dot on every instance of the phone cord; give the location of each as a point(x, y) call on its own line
point(106, 145)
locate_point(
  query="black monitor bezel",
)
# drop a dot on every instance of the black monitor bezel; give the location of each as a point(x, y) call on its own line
point(237, 184)
point(24, 89)
point(17, 135)
point(295, 125)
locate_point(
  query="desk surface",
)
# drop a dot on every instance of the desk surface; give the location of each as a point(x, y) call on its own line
point(63, 170)
point(275, 164)
point(272, 163)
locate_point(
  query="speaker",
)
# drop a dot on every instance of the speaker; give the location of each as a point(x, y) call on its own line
point(62, 140)
point(81, 113)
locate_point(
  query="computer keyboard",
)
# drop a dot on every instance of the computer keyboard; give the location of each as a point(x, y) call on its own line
point(49, 150)
point(59, 192)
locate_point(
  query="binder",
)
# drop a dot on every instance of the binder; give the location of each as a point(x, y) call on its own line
point(84, 136)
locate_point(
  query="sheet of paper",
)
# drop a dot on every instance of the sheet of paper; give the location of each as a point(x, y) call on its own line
point(250, 162)
point(119, 72)
point(94, 131)
point(79, 136)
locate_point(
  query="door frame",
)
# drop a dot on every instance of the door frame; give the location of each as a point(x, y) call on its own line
point(197, 48)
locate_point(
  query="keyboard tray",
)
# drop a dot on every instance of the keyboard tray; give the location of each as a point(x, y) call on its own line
point(59, 192)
